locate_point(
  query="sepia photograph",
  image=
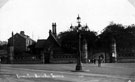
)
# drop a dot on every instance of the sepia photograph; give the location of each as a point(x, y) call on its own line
point(67, 40)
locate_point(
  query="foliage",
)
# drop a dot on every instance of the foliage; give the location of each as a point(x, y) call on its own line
point(3, 45)
point(69, 39)
point(124, 36)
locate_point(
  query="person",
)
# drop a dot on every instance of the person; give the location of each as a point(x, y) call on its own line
point(94, 61)
point(99, 61)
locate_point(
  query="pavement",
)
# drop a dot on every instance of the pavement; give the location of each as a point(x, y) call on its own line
point(66, 73)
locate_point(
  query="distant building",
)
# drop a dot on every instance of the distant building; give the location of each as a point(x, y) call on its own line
point(3, 56)
point(3, 52)
point(21, 42)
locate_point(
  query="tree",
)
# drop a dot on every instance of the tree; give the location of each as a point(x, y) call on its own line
point(69, 39)
point(112, 31)
point(125, 38)
point(3, 45)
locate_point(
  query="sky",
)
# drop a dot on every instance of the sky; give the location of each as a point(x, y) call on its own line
point(35, 17)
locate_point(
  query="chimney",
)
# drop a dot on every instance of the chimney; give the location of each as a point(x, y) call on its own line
point(50, 32)
point(12, 39)
point(12, 34)
point(54, 29)
point(22, 33)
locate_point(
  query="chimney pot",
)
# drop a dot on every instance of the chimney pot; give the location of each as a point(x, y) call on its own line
point(22, 33)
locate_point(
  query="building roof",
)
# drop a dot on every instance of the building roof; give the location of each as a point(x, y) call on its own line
point(46, 43)
point(55, 38)
point(24, 36)
point(42, 43)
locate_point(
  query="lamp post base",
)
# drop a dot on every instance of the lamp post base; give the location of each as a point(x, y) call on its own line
point(78, 67)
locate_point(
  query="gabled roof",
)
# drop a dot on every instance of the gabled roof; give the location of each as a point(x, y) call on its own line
point(23, 36)
point(55, 38)
point(42, 43)
point(47, 43)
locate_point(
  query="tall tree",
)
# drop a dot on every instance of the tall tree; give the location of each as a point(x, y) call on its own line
point(69, 39)
point(125, 38)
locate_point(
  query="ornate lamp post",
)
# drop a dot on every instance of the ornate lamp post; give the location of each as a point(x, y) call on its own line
point(79, 63)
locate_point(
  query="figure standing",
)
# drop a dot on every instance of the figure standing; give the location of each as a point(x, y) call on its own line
point(99, 61)
point(94, 60)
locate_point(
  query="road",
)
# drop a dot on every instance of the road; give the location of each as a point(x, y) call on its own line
point(108, 72)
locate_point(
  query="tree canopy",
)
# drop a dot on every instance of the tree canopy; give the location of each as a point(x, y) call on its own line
point(124, 36)
point(69, 39)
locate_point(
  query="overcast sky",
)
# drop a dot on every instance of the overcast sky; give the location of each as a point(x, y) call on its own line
point(35, 17)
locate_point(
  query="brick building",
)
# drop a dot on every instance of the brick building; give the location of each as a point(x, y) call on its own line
point(21, 42)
